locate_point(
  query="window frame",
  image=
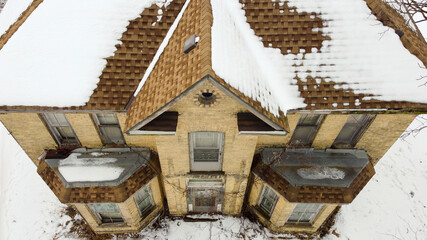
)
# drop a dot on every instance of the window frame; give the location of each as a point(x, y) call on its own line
point(60, 140)
point(313, 215)
point(274, 200)
point(104, 138)
point(206, 165)
point(147, 210)
point(360, 126)
point(100, 219)
point(304, 126)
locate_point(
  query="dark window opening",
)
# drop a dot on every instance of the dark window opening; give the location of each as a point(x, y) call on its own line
point(166, 121)
point(249, 122)
point(306, 130)
point(353, 129)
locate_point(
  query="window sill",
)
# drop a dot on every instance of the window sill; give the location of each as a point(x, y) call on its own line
point(261, 212)
point(206, 173)
point(299, 225)
point(147, 212)
point(109, 225)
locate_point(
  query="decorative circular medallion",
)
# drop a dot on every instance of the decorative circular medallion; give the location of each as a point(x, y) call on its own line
point(206, 98)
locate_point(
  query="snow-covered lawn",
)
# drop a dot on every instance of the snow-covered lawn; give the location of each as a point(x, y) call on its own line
point(392, 206)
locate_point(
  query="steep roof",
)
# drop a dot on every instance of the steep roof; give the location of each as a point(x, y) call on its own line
point(122, 71)
point(175, 71)
point(337, 54)
point(295, 68)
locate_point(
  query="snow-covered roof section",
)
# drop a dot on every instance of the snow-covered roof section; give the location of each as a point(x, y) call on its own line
point(11, 12)
point(56, 57)
point(239, 57)
point(75, 169)
point(361, 52)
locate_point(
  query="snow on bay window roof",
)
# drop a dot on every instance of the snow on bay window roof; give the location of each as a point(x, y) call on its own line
point(58, 54)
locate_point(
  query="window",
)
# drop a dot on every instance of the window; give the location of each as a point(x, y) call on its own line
point(109, 128)
point(143, 200)
point(60, 129)
point(304, 213)
point(206, 151)
point(352, 131)
point(306, 130)
point(106, 212)
point(268, 200)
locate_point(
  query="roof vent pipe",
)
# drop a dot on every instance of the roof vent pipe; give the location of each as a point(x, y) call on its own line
point(191, 43)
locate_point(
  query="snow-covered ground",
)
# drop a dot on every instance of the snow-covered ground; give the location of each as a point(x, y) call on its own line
point(392, 206)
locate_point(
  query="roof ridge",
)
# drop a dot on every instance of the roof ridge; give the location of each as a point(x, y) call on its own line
point(17, 24)
point(390, 18)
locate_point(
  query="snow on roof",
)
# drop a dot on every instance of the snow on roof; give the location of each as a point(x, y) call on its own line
point(239, 57)
point(75, 169)
point(362, 52)
point(11, 12)
point(56, 57)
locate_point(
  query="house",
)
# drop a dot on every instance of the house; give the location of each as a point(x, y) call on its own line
point(128, 108)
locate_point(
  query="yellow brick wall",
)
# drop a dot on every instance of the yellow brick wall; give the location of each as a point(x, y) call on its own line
point(174, 150)
point(329, 130)
point(30, 133)
point(136, 140)
point(129, 211)
point(279, 141)
point(85, 129)
point(282, 211)
point(383, 132)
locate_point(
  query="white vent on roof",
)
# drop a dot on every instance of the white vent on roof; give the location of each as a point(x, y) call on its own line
point(190, 43)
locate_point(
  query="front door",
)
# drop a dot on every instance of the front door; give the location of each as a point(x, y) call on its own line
point(205, 196)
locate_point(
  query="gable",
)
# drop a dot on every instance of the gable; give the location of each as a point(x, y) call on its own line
point(165, 119)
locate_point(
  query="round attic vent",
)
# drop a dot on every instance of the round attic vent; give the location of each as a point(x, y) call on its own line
point(206, 98)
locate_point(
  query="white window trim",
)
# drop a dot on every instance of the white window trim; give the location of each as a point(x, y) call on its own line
point(98, 125)
point(206, 166)
point(261, 197)
point(99, 218)
point(55, 134)
point(146, 212)
point(313, 218)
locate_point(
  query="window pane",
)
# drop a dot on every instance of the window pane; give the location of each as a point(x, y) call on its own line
point(143, 199)
point(111, 215)
point(309, 120)
point(56, 119)
point(206, 155)
point(108, 118)
point(60, 129)
point(104, 207)
point(65, 132)
point(268, 200)
point(304, 212)
point(303, 135)
point(206, 139)
point(107, 212)
point(112, 134)
point(352, 130)
point(347, 133)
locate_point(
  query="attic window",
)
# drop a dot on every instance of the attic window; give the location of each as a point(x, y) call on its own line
point(206, 98)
